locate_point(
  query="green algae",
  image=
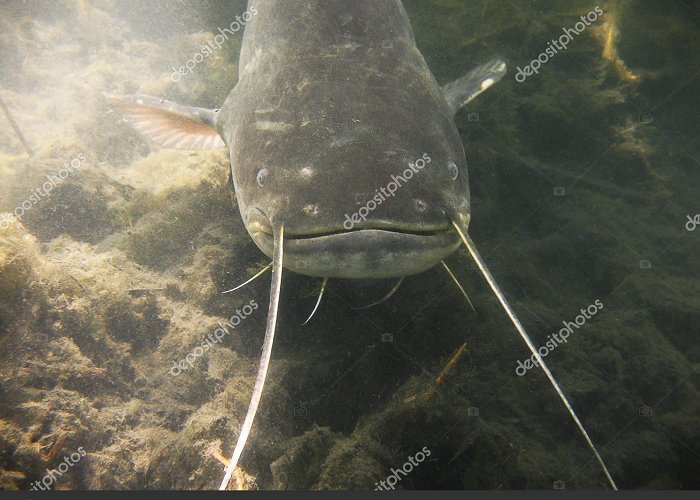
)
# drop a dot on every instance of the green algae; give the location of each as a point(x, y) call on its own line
point(119, 273)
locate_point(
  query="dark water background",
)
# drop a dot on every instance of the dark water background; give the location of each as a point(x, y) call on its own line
point(582, 178)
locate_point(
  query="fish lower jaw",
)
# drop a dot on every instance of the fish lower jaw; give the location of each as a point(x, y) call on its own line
point(363, 254)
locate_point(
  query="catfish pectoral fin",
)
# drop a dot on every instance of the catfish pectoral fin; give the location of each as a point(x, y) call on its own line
point(461, 91)
point(169, 124)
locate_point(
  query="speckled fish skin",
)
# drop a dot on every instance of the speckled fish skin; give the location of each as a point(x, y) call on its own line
point(333, 99)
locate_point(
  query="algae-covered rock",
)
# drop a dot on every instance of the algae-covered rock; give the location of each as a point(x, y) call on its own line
point(112, 274)
point(303, 462)
point(17, 256)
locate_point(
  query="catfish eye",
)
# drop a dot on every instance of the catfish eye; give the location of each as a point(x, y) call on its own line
point(453, 170)
point(262, 177)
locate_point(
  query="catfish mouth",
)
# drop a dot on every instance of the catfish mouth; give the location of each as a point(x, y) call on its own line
point(434, 232)
point(362, 253)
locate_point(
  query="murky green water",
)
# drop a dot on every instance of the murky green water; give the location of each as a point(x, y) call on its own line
point(584, 183)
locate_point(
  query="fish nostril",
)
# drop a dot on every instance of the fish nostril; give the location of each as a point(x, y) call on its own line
point(258, 222)
point(453, 170)
point(262, 177)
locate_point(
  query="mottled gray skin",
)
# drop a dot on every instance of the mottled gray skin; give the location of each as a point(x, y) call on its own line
point(333, 99)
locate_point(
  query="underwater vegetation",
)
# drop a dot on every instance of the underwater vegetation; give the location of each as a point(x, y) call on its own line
point(111, 279)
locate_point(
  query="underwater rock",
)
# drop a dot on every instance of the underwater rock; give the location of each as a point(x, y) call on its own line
point(115, 278)
point(70, 210)
point(302, 463)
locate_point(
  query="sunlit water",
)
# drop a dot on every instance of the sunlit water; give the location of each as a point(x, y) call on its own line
point(113, 256)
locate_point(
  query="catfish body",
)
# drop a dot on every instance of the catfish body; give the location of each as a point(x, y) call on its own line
point(335, 102)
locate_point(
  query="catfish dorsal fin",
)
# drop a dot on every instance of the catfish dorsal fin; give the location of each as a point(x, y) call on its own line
point(170, 125)
point(461, 91)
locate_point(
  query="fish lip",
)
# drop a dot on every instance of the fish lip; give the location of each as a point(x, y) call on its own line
point(264, 232)
point(395, 230)
point(363, 253)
